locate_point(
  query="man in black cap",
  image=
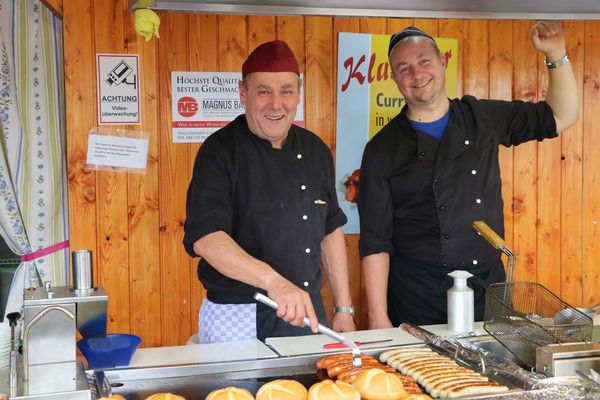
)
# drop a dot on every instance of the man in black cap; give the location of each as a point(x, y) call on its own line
point(263, 215)
point(433, 170)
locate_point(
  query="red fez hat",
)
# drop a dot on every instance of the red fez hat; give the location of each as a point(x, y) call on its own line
point(275, 56)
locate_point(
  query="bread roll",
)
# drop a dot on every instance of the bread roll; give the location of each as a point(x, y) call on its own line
point(376, 384)
point(282, 389)
point(164, 396)
point(350, 376)
point(330, 390)
point(229, 393)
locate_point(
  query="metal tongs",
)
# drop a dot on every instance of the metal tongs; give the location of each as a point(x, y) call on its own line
point(356, 354)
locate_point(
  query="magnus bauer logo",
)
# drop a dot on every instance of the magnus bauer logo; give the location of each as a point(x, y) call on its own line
point(187, 106)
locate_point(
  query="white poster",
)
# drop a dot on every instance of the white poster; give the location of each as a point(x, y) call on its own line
point(118, 89)
point(117, 150)
point(204, 102)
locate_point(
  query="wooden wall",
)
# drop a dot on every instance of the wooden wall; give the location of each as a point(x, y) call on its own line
point(134, 223)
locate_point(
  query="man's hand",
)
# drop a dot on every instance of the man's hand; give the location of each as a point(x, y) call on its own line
point(294, 303)
point(343, 322)
point(380, 323)
point(548, 37)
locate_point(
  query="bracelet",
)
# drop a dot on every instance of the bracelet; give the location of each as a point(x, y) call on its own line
point(558, 63)
point(348, 309)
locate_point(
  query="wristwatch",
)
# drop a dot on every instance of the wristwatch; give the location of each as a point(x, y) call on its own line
point(558, 63)
point(344, 309)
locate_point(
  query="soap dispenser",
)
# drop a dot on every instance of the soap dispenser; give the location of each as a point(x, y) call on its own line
point(461, 314)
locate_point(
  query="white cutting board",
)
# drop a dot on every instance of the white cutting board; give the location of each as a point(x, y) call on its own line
point(311, 344)
point(201, 353)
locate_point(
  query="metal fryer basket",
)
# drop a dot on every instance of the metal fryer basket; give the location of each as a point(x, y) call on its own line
point(525, 315)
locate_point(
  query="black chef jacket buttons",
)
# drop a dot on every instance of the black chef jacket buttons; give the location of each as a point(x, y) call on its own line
point(446, 236)
point(299, 156)
point(307, 250)
point(442, 208)
point(303, 187)
point(422, 154)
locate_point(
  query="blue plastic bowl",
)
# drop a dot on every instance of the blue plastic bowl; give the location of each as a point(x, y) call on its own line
point(110, 351)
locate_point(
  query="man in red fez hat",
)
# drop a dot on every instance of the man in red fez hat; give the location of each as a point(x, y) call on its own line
point(263, 215)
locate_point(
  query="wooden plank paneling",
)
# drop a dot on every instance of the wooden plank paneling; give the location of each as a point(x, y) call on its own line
point(373, 25)
point(525, 158)
point(571, 263)
point(80, 107)
point(261, 28)
point(143, 201)
point(204, 36)
point(551, 195)
point(320, 88)
point(548, 201)
point(500, 87)
point(174, 167)
point(233, 48)
point(591, 165)
point(397, 24)
point(429, 26)
point(319, 92)
point(113, 230)
point(291, 30)
point(476, 58)
point(454, 29)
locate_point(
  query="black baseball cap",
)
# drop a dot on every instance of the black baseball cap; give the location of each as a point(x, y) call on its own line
point(407, 32)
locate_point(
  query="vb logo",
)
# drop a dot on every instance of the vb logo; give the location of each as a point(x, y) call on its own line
point(187, 106)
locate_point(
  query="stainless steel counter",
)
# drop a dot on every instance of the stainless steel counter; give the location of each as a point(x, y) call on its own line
point(182, 369)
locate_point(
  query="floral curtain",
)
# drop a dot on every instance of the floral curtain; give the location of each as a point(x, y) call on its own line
point(33, 192)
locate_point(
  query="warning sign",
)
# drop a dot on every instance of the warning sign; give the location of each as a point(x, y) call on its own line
point(118, 89)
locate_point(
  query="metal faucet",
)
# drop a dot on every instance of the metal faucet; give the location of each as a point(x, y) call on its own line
point(26, 335)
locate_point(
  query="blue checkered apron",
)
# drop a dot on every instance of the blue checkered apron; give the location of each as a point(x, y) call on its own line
point(226, 322)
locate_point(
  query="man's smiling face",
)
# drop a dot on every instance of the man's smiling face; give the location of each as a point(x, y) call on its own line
point(271, 100)
point(419, 71)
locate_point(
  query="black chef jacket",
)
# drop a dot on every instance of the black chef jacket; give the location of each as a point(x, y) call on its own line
point(276, 204)
point(418, 198)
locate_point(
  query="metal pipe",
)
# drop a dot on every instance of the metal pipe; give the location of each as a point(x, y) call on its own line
point(26, 335)
point(12, 320)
